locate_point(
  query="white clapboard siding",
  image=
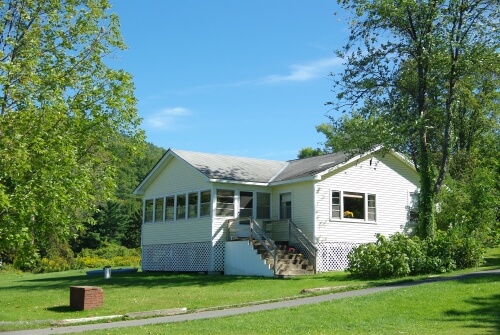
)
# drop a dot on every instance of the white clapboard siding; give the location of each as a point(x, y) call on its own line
point(181, 231)
point(387, 177)
point(302, 205)
point(175, 178)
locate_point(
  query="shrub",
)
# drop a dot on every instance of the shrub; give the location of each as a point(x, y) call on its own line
point(400, 256)
point(111, 254)
point(397, 256)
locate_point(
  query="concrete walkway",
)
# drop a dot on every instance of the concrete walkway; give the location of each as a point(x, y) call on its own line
point(240, 310)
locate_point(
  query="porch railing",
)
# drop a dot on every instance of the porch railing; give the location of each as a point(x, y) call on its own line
point(300, 241)
point(256, 233)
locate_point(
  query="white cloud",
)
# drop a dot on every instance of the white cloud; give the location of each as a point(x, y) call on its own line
point(307, 71)
point(166, 119)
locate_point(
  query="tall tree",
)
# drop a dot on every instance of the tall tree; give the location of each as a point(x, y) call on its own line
point(412, 68)
point(64, 118)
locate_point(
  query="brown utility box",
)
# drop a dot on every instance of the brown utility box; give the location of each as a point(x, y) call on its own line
point(85, 297)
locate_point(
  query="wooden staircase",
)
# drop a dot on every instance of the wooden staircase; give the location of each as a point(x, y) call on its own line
point(289, 262)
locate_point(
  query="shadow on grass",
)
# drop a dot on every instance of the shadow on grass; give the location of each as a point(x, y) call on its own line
point(137, 279)
point(484, 312)
point(492, 260)
point(61, 309)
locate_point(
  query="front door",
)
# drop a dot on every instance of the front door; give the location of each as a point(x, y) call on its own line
point(246, 210)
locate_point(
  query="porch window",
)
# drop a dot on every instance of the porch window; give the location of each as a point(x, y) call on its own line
point(169, 208)
point(205, 203)
point(193, 205)
point(286, 206)
point(148, 210)
point(225, 203)
point(181, 207)
point(353, 205)
point(158, 210)
point(263, 205)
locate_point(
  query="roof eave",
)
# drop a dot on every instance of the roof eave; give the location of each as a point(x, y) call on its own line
point(296, 180)
point(239, 182)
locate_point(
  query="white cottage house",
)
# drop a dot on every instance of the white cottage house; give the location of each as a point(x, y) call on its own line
point(217, 213)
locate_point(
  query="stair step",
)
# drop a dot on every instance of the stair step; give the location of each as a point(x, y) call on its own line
point(288, 261)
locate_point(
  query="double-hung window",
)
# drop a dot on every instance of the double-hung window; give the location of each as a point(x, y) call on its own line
point(193, 205)
point(263, 205)
point(225, 203)
point(170, 208)
point(205, 203)
point(285, 205)
point(181, 207)
point(149, 210)
point(158, 210)
point(353, 205)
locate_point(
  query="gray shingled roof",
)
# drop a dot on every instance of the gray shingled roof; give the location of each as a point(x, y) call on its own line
point(242, 169)
point(231, 167)
point(308, 167)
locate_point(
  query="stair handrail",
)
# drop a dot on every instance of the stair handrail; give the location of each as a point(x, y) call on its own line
point(264, 240)
point(305, 244)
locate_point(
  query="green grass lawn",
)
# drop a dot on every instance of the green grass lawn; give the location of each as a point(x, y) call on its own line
point(29, 297)
point(470, 306)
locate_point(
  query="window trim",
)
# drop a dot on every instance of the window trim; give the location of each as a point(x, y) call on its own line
point(270, 209)
point(291, 205)
point(217, 209)
point(341, 210)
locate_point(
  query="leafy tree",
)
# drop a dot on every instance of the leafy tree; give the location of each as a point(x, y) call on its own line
point(417, 74)
point(64, 118)
point(309, 152)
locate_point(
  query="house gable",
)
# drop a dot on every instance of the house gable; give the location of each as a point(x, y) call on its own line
point(387, 178)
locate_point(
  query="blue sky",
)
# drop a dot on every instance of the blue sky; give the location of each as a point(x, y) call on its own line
point(234, 77)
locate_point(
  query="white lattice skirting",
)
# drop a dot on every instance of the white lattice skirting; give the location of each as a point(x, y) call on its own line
point(333, 255)
point(205, 256)
point(183, 257)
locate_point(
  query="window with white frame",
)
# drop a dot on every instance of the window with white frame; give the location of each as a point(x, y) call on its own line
point(180, 207)
point(413, 207)
point(205, 203)
point(193, 205)
point(286, 205)
point(148, 210)
point(353, 205)
point(170, 208)
point(263, 205)
point(225, 203)
point(158, 210)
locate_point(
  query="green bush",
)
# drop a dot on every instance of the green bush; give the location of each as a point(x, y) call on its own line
point(111, 254)
point(400, 256)
point(110, 250)
point(397, 256)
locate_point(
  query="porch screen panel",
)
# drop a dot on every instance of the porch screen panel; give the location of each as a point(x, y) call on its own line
point(246, 204)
